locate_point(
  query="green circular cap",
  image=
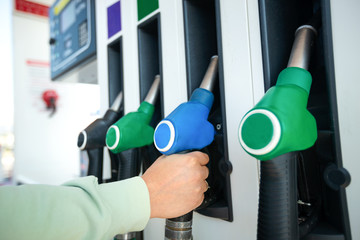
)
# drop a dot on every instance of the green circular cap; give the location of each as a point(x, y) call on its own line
point(112, 137)
point(257, 131)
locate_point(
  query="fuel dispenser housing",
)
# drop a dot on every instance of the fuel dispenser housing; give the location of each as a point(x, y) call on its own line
point(323, 211)
point(253, 39)
point(202, 28)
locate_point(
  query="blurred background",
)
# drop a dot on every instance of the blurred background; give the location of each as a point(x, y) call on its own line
point(46, 136)
point(6, 94)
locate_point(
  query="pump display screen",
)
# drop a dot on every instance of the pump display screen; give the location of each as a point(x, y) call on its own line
point(67, 17)
point(72, 34)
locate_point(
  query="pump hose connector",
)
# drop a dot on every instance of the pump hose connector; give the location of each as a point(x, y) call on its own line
point(179, 228)
point(126, 236)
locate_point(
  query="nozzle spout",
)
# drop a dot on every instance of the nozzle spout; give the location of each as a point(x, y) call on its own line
point(300, 53)
point(208, 81)
point(117, 104)
point(154, 91)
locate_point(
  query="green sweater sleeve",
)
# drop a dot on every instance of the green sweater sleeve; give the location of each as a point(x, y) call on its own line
point(79, 209)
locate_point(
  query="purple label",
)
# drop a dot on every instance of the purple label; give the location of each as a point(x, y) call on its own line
point(114, 19)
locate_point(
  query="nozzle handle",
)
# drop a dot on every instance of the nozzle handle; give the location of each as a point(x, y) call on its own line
point(95, 167)
point(278, 212)
point(129, 163)
point(154, 91)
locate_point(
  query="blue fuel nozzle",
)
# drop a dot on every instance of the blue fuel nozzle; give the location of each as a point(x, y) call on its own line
point(187, 127)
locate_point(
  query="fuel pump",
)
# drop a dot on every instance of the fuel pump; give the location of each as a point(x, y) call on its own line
point(187, 128)
point(129, 133)
point(274, 131)
point(92, 138)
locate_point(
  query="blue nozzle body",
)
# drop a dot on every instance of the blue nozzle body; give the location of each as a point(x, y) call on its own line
point(187, 127)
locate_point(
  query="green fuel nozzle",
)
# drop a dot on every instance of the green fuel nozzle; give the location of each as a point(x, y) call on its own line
point(133, 129)
point(279, 122)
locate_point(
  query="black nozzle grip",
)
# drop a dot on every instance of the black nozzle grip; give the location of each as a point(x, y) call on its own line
point(95, 167)
point(129, 164)
point(96, 131)
point(278, 212)
point(184, 218)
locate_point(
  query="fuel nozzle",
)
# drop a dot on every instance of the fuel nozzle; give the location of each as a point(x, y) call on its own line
point(133, 129)
point(92, 138)
point(279, 122)
point(94, 135)
point(187, 127)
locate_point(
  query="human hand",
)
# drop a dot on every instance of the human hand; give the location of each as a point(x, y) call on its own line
point(176, 184)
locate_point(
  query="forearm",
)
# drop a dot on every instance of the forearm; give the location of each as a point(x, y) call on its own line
point(79, 209)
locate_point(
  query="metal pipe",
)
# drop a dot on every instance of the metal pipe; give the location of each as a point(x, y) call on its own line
point(154, 91)
point(209, 79)
point(300, 52)
point(126, 236)
point(117, 104)
point(179, 228)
